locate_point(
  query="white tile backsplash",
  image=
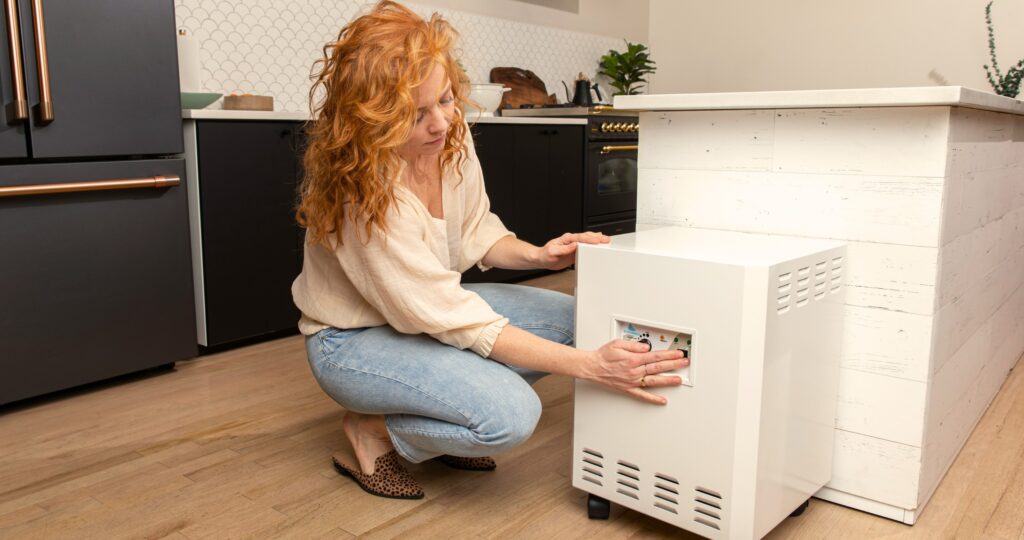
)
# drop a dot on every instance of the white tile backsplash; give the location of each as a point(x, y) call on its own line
point(268, 47)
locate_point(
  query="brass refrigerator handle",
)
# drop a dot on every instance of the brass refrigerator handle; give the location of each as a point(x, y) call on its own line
point(44, 111)
point(17, 110)
point(619, 148)
point(94, 185)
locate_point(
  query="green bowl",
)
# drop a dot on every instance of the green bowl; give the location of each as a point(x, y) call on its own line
point(198, 100)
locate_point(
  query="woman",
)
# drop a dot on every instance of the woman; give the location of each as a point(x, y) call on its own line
point(395, 209)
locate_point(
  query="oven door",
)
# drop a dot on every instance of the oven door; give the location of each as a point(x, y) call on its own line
point(611, 178)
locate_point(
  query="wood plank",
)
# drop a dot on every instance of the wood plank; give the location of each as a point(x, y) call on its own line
point(707, 140)
point(886, 342)
point(881, 209)
point(875, 141)
point(880, 406)
point(876, 469)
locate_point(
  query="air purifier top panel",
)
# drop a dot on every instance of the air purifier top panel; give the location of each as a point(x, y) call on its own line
point(724, 247)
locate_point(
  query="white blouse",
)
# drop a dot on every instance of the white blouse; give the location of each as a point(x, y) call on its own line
point(409, 277)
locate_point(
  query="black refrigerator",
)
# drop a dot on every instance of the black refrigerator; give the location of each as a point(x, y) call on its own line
point(95, 265)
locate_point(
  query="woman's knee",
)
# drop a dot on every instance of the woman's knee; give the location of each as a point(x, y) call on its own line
point(510, 421)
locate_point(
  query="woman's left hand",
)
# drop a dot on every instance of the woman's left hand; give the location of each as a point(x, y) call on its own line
point(561, 252)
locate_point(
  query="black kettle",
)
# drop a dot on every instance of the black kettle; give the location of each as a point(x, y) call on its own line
point(582, 97)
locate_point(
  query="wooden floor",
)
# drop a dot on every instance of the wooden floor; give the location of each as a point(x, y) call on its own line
point(238, 444)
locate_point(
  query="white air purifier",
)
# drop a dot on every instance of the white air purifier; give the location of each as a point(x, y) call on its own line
point(747, 439)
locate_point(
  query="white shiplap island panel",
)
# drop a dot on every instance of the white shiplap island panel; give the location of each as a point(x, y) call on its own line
point(926, 185)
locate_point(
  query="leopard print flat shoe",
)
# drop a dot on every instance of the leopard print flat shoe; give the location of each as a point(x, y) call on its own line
point(468, 463)
point(389, 478)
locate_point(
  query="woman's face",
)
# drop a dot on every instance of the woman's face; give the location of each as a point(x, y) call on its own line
point(435, 108)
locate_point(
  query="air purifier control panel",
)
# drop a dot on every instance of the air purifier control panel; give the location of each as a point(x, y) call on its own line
point(660, 338)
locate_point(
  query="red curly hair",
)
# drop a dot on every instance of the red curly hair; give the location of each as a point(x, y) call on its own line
point(367, 78)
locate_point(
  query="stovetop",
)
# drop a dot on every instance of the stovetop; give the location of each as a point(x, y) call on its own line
point(568, 110)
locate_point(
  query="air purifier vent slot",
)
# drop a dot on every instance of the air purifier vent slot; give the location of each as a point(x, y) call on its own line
point(821, 266)
point(628, 493)
point(783, 278)
point(593, 462)
point(819, 296)
point(708, 513)
point(712, 504)
point(629, 475)
point(666, 478)
point(836, 261)
point(706, 522)
point(709, 492)
point(666, 498)
point(589, 479)
point(783, 289)
point(669, 489)
point(804, 271)
point(594, 453)
point(594, 472)
point(628, 484)
point(668, 508)
point(802, 282)
point(801, 303)
point(629, 465)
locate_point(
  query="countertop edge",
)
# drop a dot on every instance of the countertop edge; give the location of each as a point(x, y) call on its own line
point(955, 96)
point(220, 114)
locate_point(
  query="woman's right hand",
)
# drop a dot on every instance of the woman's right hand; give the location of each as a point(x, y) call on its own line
point(631, 368)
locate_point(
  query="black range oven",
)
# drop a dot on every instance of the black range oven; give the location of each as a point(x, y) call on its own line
point(610, 171)
point(609, 191)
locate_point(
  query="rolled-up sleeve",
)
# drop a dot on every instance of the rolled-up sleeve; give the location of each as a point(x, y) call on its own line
point(400, 277)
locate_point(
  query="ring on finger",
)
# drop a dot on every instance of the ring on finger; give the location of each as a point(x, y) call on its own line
point(643, 381)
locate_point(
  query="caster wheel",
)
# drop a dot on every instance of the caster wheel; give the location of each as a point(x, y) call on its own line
point(800, 509)
point(597, 507)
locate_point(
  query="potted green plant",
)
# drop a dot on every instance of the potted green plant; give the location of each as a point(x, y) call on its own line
point(627, 69)
point(1007, 84)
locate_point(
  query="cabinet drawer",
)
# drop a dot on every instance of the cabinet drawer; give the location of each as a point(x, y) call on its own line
point(94, 284)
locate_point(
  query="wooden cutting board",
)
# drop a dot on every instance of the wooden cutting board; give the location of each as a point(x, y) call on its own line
point(527, 88)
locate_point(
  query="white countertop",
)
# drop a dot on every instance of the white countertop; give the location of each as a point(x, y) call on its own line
point(957, 96)
point(220, 114)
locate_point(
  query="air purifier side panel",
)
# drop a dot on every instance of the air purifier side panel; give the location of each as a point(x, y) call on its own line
point(801, 368)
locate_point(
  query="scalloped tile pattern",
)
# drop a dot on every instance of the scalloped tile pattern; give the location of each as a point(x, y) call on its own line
point(268, 47)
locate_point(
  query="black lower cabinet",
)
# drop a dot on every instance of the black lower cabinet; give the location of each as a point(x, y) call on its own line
point(251, 245)
point(92, 284)
point(533, 174)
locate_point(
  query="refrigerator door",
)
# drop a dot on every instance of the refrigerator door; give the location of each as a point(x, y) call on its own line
point(111, 70)
point(92, 284)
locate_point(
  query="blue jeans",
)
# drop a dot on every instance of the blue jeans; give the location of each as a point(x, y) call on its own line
point(435, 398)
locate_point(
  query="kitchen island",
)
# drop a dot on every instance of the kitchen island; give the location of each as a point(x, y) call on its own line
point(926, 185)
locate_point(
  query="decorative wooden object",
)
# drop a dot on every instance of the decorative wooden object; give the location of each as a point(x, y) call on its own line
point(249, 102)
point(527, 87)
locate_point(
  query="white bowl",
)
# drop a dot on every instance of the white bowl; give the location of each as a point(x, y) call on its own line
point(487, 96)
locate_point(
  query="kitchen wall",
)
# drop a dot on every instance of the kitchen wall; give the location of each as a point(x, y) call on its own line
point(268, 47)
point(750, 45)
